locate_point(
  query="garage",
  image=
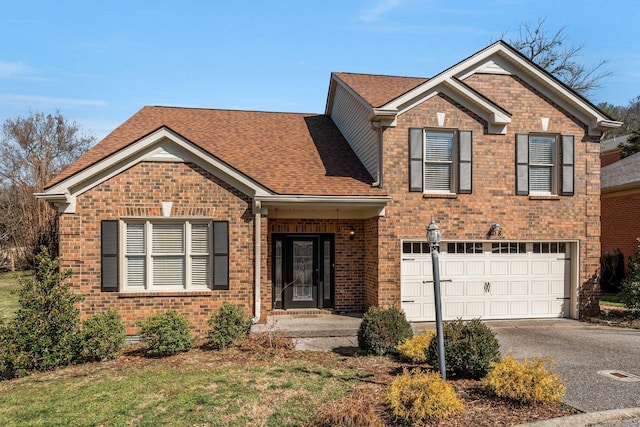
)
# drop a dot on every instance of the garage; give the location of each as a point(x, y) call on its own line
point(488, 280)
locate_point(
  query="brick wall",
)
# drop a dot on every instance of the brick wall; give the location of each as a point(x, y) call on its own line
point(139, 191)
point(620, 224)
point(469, 216)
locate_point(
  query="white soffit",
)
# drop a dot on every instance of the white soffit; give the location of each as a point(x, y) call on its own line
point(161, 145)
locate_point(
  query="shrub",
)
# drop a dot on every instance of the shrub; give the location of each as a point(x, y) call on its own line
point(102, 336)
point(469, 347)
point(630, 292)
point(417, 397)
point(414, 349)
point(44, 332)
point(228, 325)
point(381, 330)
point(611, 271)
point(527, 381)
point(165, 334)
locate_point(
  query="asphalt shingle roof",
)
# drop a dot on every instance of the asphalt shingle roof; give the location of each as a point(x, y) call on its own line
point(378, 90)
point(623, 172)
point(288, 153)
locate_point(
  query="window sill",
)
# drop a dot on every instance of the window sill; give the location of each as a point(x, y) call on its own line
point(152, 294)
point(439, 196)
point(544, 197)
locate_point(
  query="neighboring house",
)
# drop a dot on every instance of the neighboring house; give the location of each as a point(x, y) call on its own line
point(610, 150)
point(188, 208)
point(620, 204)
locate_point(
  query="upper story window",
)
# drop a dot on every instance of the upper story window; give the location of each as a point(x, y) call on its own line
point(440, 161)
point(544, 164)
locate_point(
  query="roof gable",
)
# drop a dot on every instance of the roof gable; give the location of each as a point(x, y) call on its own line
point(284, 153)
point(498, 58)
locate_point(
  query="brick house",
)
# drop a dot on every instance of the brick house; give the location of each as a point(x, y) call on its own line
point(620, 200)
point(187, 208)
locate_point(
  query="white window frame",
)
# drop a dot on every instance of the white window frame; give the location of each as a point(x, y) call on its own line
point(187, 254)
point(452, 162)
point(553, 166)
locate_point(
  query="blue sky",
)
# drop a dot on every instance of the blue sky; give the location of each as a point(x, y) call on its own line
point(100, 62)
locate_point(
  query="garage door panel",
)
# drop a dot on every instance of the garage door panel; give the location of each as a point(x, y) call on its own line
point(412, 310)
point(475, 309)
point(452, 289)
point(453, 268)
point(519, 288)
point(558, 267)
point(540, 287)
point(499, 288)
point(412, 289)
point(540, 268)
point(519, 268)
point(540, 308)
point(475, 268)
point(557, 287)
point(499, 268)
point(519, 308)
point(499, 308)
point(411, 268)
point(452, 310)
point(474, 289)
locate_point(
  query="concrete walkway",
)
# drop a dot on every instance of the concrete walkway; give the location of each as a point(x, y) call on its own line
point(580, 350)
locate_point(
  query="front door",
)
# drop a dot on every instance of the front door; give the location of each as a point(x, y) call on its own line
point(303, 271)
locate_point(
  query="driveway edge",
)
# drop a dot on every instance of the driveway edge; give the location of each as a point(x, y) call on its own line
point(588, 418)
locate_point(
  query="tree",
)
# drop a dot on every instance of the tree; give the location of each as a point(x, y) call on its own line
point(553, 52)
point(32, 151)
point(633, 144)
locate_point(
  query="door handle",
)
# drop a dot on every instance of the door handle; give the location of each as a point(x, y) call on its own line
point(487, 286)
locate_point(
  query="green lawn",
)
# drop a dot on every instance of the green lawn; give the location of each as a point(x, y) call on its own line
point(229, 388)
point(8, 301)
point(613, 300)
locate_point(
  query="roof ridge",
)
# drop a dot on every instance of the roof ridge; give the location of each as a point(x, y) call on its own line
point(232, 110)
point(380, 75)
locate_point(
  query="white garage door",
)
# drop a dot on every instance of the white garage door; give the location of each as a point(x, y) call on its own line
point(489, 280)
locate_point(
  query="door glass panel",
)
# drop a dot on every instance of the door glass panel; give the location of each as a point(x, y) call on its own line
point(327, 270)
point(302, 271)
point(278, 271)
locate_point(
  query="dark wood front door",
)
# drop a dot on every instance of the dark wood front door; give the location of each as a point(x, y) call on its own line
point(303, 271)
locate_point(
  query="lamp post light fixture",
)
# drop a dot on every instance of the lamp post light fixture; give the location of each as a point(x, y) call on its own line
point(433, 236)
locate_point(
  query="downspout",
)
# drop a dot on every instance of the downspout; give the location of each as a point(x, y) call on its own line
point(257, 261)
point(376, 126)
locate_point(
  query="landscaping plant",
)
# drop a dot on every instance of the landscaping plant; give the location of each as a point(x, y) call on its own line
point(527, 381)
point(469, 347)
point(228, 325)
point(414, 349)
point(165, 334)
point(44, 332)
point(102, 336)
point(419, 397)
point(381, 330)
point(630, 292)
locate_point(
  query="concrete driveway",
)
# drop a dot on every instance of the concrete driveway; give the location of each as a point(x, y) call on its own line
point(580, 350)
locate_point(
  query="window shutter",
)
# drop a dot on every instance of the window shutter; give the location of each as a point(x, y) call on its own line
point(465, 164)
point(221, 255)
point(522, 164)
point(416, 174)
point(109, 256)
point(567, 165)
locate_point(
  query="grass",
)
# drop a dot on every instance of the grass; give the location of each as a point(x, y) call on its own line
point(195, 388)
point(8, 301)
point(613, 300)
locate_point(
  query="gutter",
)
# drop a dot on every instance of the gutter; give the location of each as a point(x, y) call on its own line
point(257, 261)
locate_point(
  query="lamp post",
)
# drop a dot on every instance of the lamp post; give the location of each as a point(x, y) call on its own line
point(433, 236)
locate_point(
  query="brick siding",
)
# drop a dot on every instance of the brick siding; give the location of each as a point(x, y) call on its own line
point(620, 225)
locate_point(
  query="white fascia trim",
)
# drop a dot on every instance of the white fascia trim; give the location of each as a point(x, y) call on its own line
point(332, 201)
point(65, 202)
point(134, 153)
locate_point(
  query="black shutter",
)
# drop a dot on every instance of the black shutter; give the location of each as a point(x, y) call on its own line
point(567, 170)
point(416, 164)
point(109, 256)
point(522, 164)
point(221, 255)
point(465, 154)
